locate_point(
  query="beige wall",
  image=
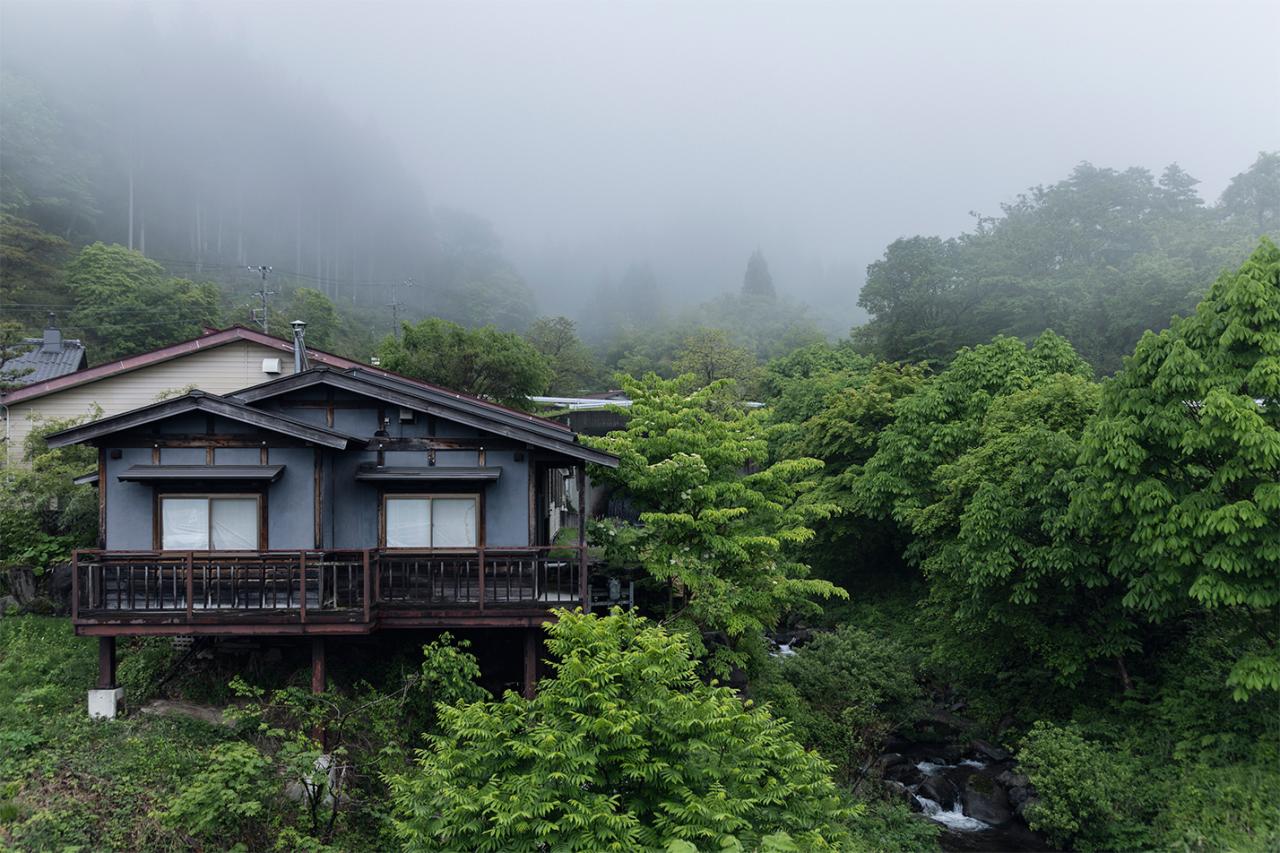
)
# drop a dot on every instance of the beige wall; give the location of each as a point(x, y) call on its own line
point(220, 370)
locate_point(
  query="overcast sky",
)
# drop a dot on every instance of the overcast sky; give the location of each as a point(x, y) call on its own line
point(689, 133)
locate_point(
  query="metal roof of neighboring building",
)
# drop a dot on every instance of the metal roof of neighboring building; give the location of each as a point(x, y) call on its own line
point(49, 357)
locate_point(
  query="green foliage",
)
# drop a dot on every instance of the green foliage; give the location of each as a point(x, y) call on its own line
point(317, 311)
point(1101, 257)
point(853, 687)
point(126, 303)
point(624, 747)
point(501, 366)
point(719, 526)
point(1086, 793)
point(226, 797)
point(708, 355)
point(573, 367)
point(43, 515)
point(1221, 808)
point(1183, 465)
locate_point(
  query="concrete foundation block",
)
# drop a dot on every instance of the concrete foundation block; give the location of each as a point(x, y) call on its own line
point(105, 704)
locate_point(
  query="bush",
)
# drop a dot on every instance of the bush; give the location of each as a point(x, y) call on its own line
point(851, 688)
point(623, 748)
point(1222, 808)
point(226, 798)
point(1086, 793)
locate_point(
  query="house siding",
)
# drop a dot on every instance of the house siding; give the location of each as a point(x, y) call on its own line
point(219, 370)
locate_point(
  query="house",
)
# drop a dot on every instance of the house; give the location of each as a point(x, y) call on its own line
point(327, 503)
point(45, 358)
point(220, 361)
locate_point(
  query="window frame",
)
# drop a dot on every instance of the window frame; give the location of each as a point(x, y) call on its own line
point(476, 498)
point(157, 531)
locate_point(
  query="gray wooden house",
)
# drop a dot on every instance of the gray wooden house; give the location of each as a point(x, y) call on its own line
point(326, 503)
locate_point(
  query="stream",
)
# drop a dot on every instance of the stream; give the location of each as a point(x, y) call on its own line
point(974, 796)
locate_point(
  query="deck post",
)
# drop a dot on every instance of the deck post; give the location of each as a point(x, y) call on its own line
point(583, 589)
point(105, 700)
point(317, 665)
point(302, 599)
point(75, 586)
point(531, 638)
point(480, 565)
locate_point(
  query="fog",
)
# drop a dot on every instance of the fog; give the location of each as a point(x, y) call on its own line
point(595, 136)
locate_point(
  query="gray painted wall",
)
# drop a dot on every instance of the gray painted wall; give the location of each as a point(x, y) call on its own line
point(128, 504)
point(291, 499)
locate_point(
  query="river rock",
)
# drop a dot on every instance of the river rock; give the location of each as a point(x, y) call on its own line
point(889, 759)
point(898, 791)
point(1013, 780)
point(989, 751)
point(906, 773)
point(986, 801)
point(1019, 794)
point(940, 789)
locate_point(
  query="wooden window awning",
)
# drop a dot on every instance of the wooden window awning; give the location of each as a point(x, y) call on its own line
point(401, 474)
point(155, 473)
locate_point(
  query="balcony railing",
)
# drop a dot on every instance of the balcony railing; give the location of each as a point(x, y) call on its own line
point(330, 585)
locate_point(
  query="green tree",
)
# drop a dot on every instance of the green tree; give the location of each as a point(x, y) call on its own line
point(486, 362)
point(757, 281)
point(624, 747)
point(126, 303)
point(317, 311)
point(708, 355)
point(1183, 465)
point(1254, 195)
point(719, 526)
point(573, 367)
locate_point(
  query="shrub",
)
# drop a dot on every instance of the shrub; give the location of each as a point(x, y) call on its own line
point(223, 799)
point(623, 748)
point(1086, 793)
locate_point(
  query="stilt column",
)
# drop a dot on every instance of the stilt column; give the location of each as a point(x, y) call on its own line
point(531, 638)
point(317, 665)
point(106, 700)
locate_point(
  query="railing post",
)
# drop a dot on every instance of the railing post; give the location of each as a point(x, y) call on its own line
point(480, 564)
point(584, 590)
point(367, 602)
point(302, 599)
point(74, 585)
point(191, 586)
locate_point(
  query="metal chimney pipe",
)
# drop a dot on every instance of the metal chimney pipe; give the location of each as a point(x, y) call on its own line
point(299, 347)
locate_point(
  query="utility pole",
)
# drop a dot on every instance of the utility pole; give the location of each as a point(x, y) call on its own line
point(395, 304)
point(260, 314)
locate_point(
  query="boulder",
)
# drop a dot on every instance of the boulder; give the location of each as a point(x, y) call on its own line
point(898, 791)
point(60, 588)
point(986, 800)
point(1021, 808)
point(940, 789)
point(989, 751)
point(22, 584)
point(8, 604)
point(889, 759)
point(1019, 794)
point(906, 773)
point(1011, 779)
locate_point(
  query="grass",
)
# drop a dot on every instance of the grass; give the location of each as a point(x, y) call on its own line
point(70, 782)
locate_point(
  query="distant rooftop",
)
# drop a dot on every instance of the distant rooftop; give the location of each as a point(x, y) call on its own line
point(49, 357)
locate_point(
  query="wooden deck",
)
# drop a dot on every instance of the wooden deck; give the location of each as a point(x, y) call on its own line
point(329, 592)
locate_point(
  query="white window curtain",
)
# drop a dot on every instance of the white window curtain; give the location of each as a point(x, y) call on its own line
point(453, 523)
point(184, 524)
point(408, 523)
point(235, 524)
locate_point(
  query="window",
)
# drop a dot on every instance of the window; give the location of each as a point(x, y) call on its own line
point(197, 523)
point(420, 521)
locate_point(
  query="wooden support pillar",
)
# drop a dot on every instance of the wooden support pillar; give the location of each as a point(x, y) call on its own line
point(106, 663)
point(585, 589)
point(531, 641)
point(317, 665)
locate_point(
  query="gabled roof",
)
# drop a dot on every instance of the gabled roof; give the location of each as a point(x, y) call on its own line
point(41, 362)
point(420, 397)
point(212, 338)
point(199, 401)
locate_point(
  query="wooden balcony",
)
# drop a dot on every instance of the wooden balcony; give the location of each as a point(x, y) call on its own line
point(328, 592)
